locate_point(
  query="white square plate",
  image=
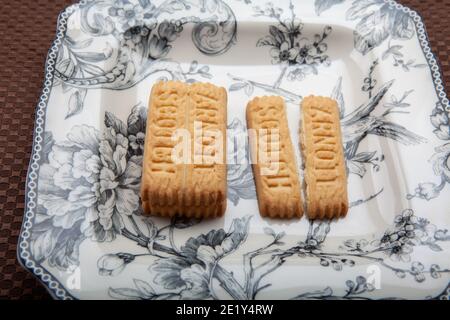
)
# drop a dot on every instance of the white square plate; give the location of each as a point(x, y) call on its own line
point(83, 234)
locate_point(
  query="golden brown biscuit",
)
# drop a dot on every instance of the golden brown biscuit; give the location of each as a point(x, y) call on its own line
point(274, 164)
point(193, 185)
point(323, 156)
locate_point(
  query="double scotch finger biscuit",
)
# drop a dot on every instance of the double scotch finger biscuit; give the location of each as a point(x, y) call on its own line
point(273, 159)
point(184, 168)
point(321, 145)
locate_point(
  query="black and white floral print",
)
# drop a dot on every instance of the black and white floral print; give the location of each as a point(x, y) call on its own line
point(145, 34)
point(239, 171)
point(440, 159)
point(398, 58)
point(377, 20)
point(323, 5)
point(113, 264)
point(189, 272)
point(89, 184)
point(362, 122)
point(440, 119)
point(286, 40)
point(131, 13)
point(296, 55)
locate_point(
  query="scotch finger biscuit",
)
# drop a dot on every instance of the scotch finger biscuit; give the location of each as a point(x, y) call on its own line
point(184, 169)
point(273, 159)
point(207, 175)
point(323, 157)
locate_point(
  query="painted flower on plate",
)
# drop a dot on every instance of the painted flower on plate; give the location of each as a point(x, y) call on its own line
point(408, 231)
point(119, 181)
point(112, 264)
point(441, 161)
point(189, 272)
point(135, 35)
point(284, 53)
point(306, 52)
point(129, 14)
point(87, 185)
point(440, 119)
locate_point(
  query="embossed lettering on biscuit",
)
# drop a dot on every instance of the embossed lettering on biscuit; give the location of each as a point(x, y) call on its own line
point(194, 184)
point(273, 159)
point(321, 145)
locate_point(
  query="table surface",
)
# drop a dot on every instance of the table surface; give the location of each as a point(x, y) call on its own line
point(27, 28)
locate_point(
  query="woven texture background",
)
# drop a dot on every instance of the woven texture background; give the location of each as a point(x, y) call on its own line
point(27, 28)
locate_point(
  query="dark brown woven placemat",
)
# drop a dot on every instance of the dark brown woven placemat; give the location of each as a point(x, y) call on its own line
point(27, 28)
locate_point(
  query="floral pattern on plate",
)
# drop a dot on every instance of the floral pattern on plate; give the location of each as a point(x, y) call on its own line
point(83, 225)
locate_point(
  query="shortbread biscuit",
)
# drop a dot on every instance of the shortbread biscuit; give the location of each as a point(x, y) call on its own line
point(273, 159)
point(193, 185)
point(323, 157)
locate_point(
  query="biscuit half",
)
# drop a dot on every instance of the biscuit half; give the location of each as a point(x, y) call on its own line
point(193, 185)
point(273, 159)
point(323, 157)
